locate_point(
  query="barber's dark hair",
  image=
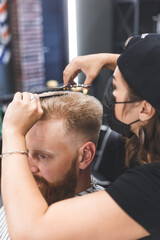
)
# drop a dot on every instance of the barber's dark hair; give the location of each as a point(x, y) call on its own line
point(136, 151)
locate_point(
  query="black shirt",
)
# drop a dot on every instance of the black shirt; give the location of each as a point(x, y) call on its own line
point(137, 192)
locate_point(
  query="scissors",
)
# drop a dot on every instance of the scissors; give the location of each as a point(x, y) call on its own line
point(70, 86)
point(63, 88)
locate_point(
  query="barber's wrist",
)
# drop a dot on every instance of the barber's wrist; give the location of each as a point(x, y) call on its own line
point(110, 61)
point(103, 59)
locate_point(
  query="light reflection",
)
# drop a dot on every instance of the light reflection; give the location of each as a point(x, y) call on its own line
point(72, 30)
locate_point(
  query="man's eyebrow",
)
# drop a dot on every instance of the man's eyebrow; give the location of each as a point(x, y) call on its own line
point(43, 152)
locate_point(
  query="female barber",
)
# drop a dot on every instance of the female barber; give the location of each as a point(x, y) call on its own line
point(130, 207)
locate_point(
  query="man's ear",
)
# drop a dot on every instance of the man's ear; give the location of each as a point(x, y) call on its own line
point(86, 154)
point(146, 111)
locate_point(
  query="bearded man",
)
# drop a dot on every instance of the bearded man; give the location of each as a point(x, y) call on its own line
point(61, 147)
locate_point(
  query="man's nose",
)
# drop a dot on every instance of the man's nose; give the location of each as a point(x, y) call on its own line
point(33, 163)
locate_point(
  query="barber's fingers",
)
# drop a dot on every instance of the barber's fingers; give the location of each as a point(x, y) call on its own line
point(38, 104)
point(24, 96)
point(34, 100)
point(28, 97)
point(70, 73)
point(89, 79)
point(17, 96)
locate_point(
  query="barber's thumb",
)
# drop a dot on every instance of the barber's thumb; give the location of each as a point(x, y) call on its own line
point(86, 82)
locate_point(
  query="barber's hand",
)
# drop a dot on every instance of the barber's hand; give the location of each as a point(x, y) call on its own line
point(24, 110)
point(90, 65)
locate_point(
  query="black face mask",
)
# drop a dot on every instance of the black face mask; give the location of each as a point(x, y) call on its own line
point(108, 109)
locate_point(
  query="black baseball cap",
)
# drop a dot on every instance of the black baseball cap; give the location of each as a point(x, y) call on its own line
point(139, 64)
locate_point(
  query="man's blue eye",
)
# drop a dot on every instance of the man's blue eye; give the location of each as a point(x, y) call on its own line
point(43, 156)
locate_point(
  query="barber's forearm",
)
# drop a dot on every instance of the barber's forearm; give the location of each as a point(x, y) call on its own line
point(21, 196)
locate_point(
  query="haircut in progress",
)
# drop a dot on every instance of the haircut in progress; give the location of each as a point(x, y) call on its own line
point(82, 114)
point(59, 162)
point(130, 204)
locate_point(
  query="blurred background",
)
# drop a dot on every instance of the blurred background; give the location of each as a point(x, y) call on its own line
point(38, 38)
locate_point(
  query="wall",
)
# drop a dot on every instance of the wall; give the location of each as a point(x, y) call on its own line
point(27, 43)
point(94, 34)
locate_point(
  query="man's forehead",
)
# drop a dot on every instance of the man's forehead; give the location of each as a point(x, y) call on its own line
point(49, 124)
point(50, 131)
point(46, 128)
point(51, 134)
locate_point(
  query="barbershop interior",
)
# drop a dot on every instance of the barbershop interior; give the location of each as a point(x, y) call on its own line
point(39, 38)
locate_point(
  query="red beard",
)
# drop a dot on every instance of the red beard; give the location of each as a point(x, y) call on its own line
point(61, 189)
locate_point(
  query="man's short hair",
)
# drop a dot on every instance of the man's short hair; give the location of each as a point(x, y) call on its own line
point(82, 114)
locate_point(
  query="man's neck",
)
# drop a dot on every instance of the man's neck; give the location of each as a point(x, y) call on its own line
point(83, 181)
